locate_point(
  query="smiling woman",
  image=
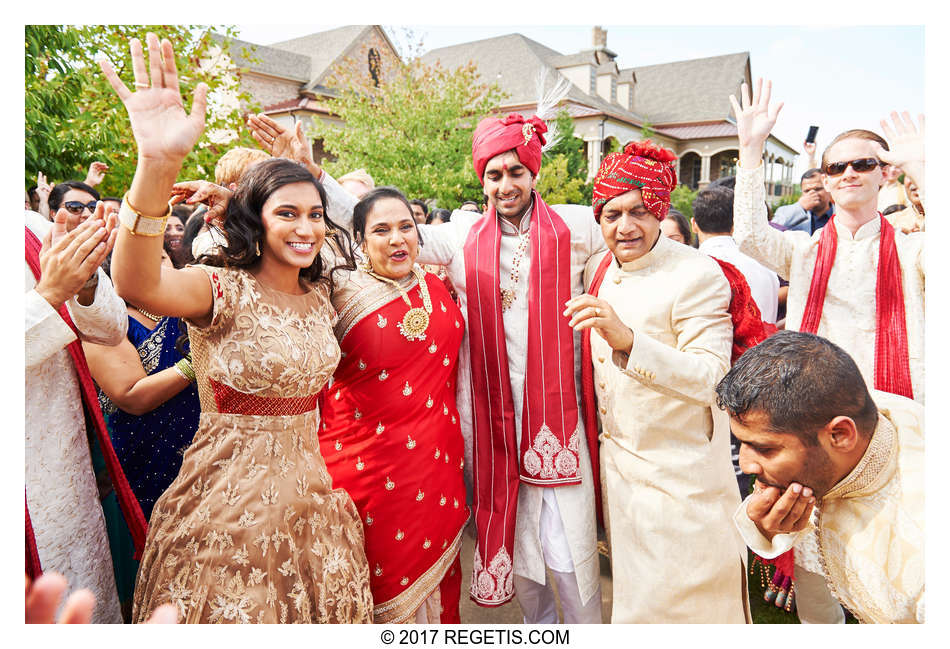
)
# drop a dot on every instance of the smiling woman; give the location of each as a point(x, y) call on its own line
point(392, 433)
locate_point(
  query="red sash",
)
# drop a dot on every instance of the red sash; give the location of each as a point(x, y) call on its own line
point(548, 451)
point(127, 501)
point(891, 360)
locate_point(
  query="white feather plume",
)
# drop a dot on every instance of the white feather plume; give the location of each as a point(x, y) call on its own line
point(548, 101)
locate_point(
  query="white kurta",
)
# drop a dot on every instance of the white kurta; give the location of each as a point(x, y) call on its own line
point(61, 487)
point(670, 487)
point(848, 317)
point(870, 526)
point(570, 538)
point(763, 283)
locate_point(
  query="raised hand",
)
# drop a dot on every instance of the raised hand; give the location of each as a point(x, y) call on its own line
point(162, 129)
point(97, 171)
point(281, 142)
point(754, 121)
point(43, 188)
point(906, 143)
point(214, 196)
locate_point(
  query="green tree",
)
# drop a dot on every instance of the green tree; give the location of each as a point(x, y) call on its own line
point(413, 130)
point(73, 116)
point(564, 167)
point(681, 199)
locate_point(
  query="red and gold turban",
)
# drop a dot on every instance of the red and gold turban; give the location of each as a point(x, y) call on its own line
point(493, 136)
point(641, 165)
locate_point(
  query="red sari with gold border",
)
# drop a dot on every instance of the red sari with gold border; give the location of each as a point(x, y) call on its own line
point(391, 437)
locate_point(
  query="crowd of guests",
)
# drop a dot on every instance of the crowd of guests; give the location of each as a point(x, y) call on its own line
point(299, 391)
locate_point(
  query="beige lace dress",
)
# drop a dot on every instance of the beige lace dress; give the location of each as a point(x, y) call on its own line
point(251, 530)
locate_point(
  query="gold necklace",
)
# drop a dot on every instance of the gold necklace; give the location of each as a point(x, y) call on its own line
point(416, 320)
point(152, 316)
point(508, 294)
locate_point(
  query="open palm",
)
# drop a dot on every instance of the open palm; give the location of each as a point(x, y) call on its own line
point(754, 119)
point(160, 125)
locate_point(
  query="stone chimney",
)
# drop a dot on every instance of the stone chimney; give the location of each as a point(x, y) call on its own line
point(600, 38)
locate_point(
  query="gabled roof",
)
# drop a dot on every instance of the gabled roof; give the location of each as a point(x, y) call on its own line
point(690, 91)
point(325, 49)
point(270, 60)
point(514, 61)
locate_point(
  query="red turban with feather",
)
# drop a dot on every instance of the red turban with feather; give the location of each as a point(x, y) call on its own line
point(493, 136)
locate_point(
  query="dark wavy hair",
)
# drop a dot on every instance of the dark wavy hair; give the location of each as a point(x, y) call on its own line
point(55, 198)
point(244, 226)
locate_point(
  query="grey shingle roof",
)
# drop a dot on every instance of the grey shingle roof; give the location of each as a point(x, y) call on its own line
point(689, 91)
point(513, 61)
point(270, 60)
point(323, 49)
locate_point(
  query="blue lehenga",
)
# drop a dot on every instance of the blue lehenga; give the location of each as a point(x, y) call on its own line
point(150, 446)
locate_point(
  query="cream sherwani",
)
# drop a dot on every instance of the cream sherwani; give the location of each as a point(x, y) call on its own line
point(61, 487)
point(870, 526)
point(667, 469)
point(566, 531)
point(848, 317)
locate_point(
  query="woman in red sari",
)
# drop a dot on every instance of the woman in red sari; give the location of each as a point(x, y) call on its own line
point(391, 436)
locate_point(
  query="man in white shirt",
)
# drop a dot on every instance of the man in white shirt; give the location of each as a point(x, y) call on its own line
point(712, 223)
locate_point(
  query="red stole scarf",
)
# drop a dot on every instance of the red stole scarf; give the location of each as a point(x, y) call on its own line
point(891, 361)
point(549, 441)
point(87, 389)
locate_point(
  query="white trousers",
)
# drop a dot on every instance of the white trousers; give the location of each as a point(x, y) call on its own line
point(814, 602)
point(537, 600)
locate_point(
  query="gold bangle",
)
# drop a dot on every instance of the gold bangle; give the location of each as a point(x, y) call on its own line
point(141, 224)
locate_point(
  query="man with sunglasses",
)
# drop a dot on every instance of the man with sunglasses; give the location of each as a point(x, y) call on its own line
point(857, 281)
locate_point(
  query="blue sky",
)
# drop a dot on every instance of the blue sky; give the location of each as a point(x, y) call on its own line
point(835, 77)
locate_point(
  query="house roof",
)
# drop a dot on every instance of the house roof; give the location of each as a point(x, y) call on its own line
point(326, 48)
point(270, 60)
point(514, 61)
point(690, 91)
point(699, 131)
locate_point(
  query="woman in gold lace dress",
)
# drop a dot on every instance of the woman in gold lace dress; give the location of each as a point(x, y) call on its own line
point(251, 530)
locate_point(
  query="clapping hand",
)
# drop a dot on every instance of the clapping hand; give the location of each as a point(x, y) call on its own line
point(281, 142)
point(69, 257)
point(774, 512)
point(162, 129)
point(589, 312)
point(754, 121)
point(214, 196)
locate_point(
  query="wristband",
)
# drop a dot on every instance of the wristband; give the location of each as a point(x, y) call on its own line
point(140, 224)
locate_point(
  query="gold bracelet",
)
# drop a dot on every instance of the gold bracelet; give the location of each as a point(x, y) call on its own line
point(141, 224)
point(184, 368)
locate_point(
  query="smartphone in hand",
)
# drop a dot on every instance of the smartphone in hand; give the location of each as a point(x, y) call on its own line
point(812, 134)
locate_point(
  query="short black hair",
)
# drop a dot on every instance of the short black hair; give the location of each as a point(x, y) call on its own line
point(729, 182)
point(475, 203)
point(440, 213)
point(110, 198)
point(365, 205)
point(712, 209)
point(811, 173)
point(421, 203)
point(55, 199)
point(890, 209)
point(801, 382)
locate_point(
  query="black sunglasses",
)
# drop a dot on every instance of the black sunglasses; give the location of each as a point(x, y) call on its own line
point(75, 207)
point(860, 165)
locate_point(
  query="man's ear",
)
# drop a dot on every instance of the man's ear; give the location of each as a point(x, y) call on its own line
point(534, 180)
point(692, 226)
point(841, 434)
point(825, 183)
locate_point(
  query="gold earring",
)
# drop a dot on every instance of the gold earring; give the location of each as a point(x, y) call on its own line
point(257, 248)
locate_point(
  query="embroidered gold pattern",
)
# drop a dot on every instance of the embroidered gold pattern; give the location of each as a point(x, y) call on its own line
point(400, 535)
point(420, 496)
point(407, 390)
point(357, 414)
point(436, 454)
point(380, 321)
point(338, 445)
point(410, 443)
point(359, 463)
point(362, 364)
point(383, 375)
point(433, 349)
point(445, 409)
point(380, 428)
point(429, 402)
point(404, 581)
point(369, 519)
point(446, 361)
point(426, 544)
point(390, 485)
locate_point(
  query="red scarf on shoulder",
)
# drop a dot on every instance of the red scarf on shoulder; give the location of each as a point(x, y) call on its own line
point(891, 359)
point(87, 389)
point(548, 453)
